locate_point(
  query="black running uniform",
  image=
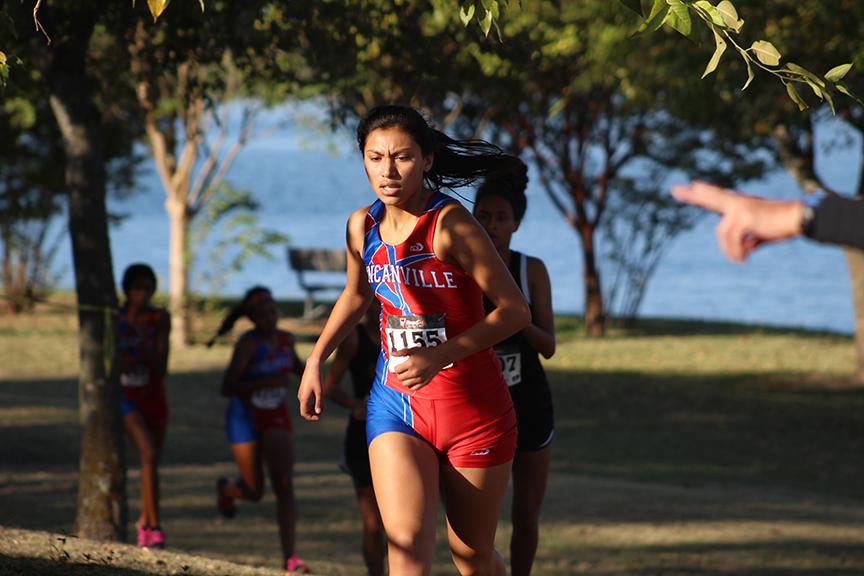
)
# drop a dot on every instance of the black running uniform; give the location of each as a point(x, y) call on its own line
point(524, 374)
point(362, 370)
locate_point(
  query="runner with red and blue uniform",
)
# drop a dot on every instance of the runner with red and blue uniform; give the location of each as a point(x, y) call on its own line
point(424, 301)
point(257, 421)
point(142, 346)
point(440, 419)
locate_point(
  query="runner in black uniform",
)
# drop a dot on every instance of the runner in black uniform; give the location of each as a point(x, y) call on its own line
point(358, 355)
point(499, 207)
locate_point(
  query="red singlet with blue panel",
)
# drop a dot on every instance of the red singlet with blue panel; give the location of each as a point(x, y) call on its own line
point(465, 411)
point(143, 387)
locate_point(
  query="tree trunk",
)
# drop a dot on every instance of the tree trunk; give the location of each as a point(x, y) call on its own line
point(798, 161)
point(102, 475)
point(855, 262)
point(178, 274)
point(595, 315)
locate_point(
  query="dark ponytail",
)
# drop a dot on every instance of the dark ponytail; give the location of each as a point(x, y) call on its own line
point(508, 185)
point(457, 163)
point(239, 311)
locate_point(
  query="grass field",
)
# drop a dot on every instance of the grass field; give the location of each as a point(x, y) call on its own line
point(682, 448)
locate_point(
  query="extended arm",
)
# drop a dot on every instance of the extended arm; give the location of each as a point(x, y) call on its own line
point(347, 311)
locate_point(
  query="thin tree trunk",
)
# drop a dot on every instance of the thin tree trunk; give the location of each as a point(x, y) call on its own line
point(855, 262)
point(798, 161)
point(595, 316)
point(178, 273)
point(101, 510)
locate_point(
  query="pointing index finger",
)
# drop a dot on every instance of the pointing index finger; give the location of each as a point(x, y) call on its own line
point(703, 195)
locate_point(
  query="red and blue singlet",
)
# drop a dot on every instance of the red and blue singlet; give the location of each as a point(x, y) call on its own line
point(465, 411)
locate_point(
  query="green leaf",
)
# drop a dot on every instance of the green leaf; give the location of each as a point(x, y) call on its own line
point(486, 23)
point(466, 15)
point(679, 17)
point(793, 94)
point(817, 90)
point(712, 12)
point(718, 53)
point(750, 74)
point(844, 90)
point(201, 2)
point(634, 5)
point(830, 102)
point(838, 72)
point(801, 71)
point(730, 15)
point(766, 53)
point(655, 18)
point(157, 7)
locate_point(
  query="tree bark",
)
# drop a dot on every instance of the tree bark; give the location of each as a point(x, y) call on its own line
point(102, 476)
point(178, 270)
point(595, 316)
point(798, 160)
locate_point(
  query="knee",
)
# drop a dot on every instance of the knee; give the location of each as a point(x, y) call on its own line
point(407, 544)
point(475, 563)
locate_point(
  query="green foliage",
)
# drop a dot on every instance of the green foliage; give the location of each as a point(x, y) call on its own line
point(231, 217)
point(725, 25)
point(487, 13)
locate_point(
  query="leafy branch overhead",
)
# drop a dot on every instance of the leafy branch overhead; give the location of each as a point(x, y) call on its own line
point(486, 12)
point(725, 24)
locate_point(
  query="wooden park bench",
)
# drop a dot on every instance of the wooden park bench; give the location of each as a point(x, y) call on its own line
point(323, 263)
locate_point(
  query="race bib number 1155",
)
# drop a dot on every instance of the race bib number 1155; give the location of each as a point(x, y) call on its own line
point(413, 332)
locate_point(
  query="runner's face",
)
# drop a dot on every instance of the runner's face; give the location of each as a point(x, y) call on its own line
point(141, 291)
point(395, 166)
point(495, 214)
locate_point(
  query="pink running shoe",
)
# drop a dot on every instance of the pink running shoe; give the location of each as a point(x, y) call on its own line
point(294, 565)
point(156, 538)
point(143, 537)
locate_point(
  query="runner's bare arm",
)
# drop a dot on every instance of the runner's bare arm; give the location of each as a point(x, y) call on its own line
point(347, 311)
point(540, 333)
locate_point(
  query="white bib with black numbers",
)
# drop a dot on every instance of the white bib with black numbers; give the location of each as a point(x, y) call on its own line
point(268, 398)
point(511, 364)
point(412, 331)
point(139, 377)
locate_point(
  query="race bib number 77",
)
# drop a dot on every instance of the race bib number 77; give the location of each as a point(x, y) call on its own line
point(412, 331)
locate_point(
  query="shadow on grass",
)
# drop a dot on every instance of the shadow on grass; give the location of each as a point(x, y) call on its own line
point(782, 430)
point(657, 449)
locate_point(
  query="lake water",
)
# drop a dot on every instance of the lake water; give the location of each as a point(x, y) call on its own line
point(307, 193)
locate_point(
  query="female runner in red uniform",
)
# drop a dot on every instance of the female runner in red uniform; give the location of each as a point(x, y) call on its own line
point(499, 206)
point(439, 417)
point(142, 344)
point(257, 420)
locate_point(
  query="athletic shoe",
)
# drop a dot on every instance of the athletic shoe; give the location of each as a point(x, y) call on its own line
point(156, 538)
point(143, 537)
point(225, 504)
point(294, 565)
